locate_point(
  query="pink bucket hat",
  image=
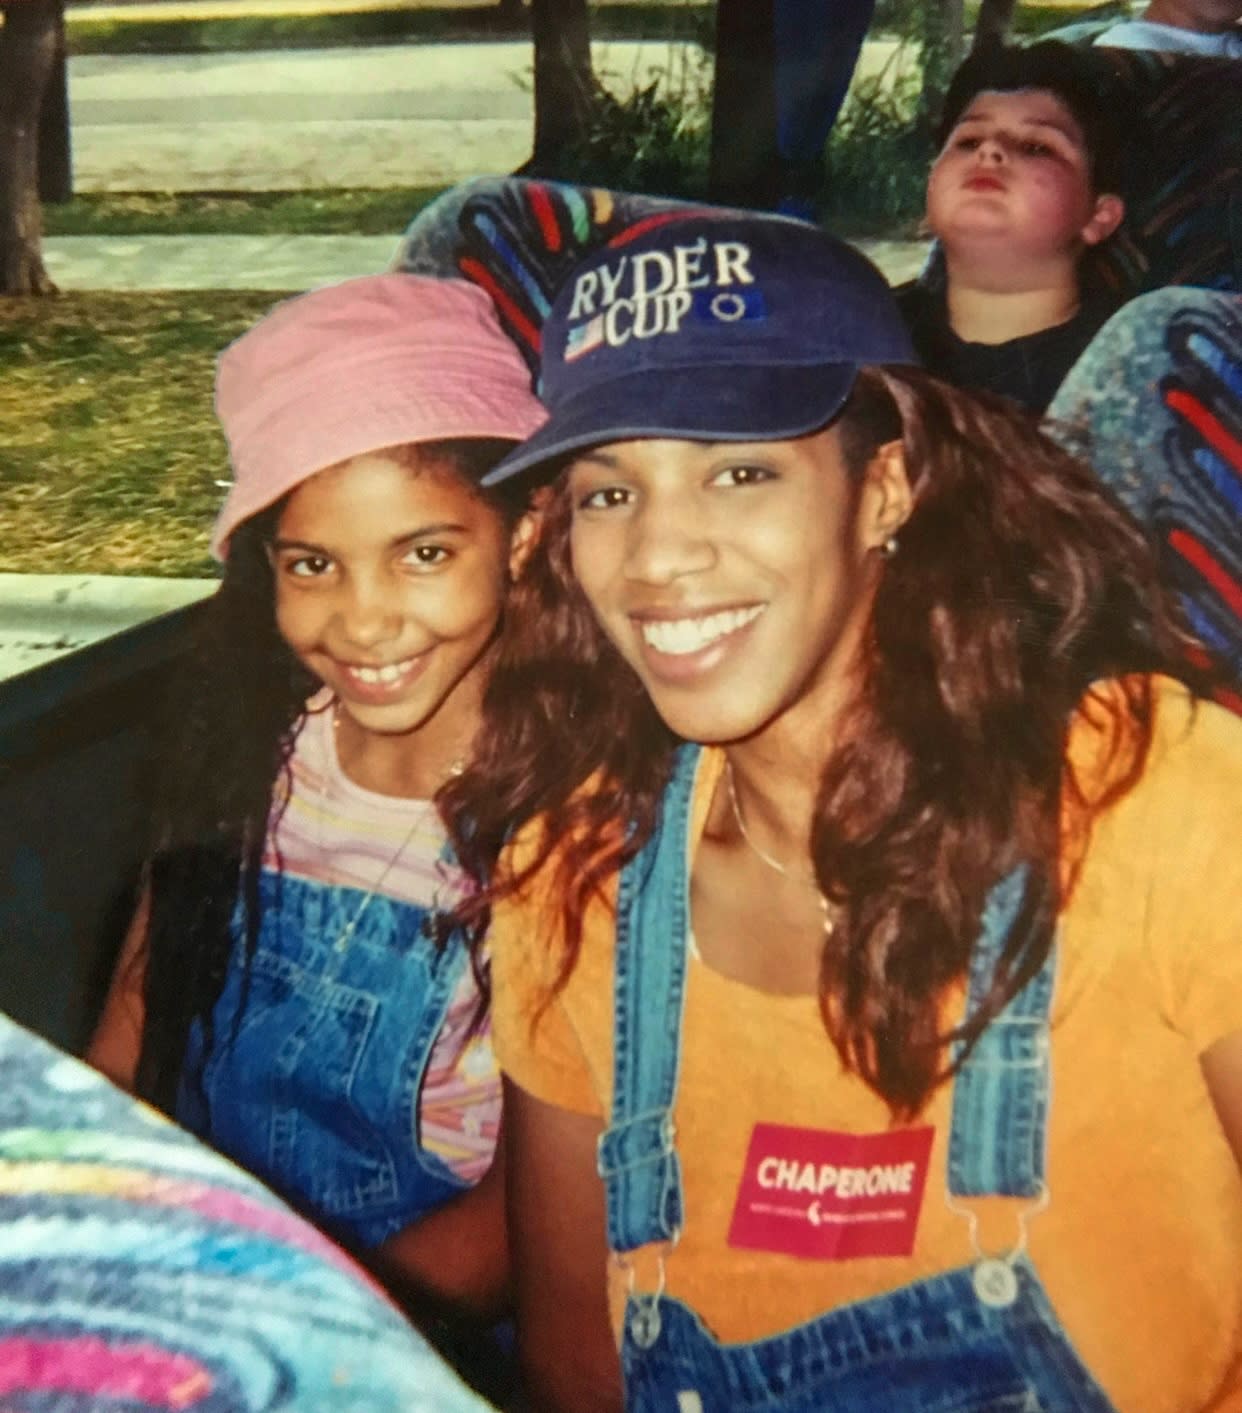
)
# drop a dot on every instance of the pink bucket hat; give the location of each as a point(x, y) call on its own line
point(374, 362)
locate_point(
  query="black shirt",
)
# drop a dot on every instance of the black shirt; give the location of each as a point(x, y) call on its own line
point(1029, 369)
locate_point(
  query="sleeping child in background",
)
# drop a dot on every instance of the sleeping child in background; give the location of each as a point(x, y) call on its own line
point(1025, 185)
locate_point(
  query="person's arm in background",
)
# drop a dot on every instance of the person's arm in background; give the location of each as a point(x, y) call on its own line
point(558, 1237)
point(456, 1258)
point(115, 1046)
point(450, 1273)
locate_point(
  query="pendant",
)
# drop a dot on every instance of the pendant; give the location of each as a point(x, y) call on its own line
point(645, 1320)
point(995, 1283)
point(829, 922)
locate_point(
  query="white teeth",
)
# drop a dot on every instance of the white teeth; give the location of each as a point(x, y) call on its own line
point(679, 636)
point(390, 672)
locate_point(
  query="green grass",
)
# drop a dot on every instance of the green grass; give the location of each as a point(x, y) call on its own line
point(429, 23)
point(112, 450)
point(325, 212)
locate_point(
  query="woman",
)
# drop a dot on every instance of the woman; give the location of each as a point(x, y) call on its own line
point(891, 1043)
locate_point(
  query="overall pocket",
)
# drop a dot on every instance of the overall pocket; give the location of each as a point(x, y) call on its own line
point(283, 1092)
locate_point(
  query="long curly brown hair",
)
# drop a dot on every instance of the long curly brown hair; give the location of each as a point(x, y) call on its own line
point(1018, 584)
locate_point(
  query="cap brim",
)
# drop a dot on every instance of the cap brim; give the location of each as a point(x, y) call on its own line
point(765, 404)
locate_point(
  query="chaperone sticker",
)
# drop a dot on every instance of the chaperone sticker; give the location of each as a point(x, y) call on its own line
point(831, 1196)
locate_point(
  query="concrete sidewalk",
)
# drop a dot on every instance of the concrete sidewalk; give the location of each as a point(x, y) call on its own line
point(212, 262)
point(80, 263)
point(44, 616)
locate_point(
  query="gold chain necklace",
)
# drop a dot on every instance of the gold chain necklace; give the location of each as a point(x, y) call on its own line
point(346, 933)
point(829, 922)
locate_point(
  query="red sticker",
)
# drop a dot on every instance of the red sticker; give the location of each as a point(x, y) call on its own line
point(831, 1196)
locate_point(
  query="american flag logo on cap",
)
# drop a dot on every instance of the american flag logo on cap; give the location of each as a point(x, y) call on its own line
point(584, 338)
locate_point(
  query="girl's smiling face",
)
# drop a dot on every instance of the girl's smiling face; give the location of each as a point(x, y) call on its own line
point(390, 575)
point(735, 579)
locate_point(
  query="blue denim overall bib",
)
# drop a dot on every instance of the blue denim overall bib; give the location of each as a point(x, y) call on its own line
point(981, 1337)
point(318, 1092)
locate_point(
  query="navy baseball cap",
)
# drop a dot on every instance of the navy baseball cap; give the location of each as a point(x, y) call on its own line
point(726, 327)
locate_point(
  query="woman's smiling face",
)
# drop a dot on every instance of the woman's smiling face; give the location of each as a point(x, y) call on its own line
point(735, 579)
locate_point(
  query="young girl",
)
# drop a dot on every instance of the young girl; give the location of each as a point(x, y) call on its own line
point(882, 1047)
point(289, 989)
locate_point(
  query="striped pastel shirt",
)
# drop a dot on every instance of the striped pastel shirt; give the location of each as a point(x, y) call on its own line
point(333, 831)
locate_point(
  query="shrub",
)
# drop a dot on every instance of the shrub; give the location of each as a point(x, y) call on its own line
point(655, 138)
point(878, 153)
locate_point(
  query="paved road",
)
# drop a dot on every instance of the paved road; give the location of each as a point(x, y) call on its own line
point(393, 115)
point(379, 115)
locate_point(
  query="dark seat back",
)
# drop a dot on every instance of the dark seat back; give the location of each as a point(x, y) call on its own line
point(1183, 191)
point(76, 743)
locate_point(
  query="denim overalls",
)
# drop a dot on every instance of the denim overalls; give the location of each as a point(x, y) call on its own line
point(318, 1093)
point(982, 1337)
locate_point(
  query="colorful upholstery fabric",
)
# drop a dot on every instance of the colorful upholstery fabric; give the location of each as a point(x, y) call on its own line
point(1155, 404)
point(140, 1272)
point(518, 238)
point(1183, 193)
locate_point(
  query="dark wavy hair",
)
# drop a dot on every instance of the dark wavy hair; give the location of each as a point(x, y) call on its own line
point(233, 718)
point(1019, 583)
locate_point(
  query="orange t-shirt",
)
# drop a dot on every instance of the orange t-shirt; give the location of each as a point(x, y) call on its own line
point(1140, 1245)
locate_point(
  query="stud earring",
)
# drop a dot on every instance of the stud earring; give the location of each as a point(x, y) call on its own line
point(889, 548)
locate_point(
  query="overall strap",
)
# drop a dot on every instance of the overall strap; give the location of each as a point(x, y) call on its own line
point(636, 1157)
point(1000, 1095)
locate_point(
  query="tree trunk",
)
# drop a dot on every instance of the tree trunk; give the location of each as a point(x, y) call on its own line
point(994, 22)
point(942, 35)
point(27, 57)
point(55, 156)
point(782, 71)
point(744, 155)
point(564, 80)
point(954, 12)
